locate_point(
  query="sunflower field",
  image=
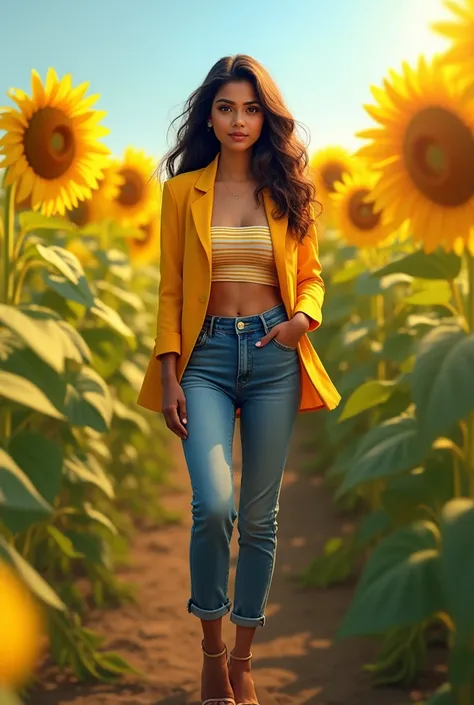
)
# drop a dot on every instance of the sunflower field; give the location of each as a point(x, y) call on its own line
point(80, 464)
point(398, 340)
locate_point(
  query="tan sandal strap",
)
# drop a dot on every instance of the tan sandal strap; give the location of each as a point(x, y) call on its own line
point(224, 650)
point(219, 700)
point(241, 658)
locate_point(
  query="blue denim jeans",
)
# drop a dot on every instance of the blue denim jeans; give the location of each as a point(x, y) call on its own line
point(226, 371)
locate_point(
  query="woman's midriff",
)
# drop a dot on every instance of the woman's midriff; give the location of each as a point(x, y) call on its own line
point(241, 298)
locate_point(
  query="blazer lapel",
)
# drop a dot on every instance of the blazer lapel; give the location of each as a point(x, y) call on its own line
point(202, 207)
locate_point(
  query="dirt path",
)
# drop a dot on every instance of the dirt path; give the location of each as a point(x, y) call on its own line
point(295, 661)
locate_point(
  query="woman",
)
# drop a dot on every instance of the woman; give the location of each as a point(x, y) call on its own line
point(240, 288)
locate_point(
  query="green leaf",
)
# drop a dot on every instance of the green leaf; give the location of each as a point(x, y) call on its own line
point(400, 584)
point(386, 450)
point(116, 262)
point(372, 525)
point(64, 542)
point(112, 318)
point(29, 575)
point(41, 336)
point(123, 412)
point(88, 400)
point(88, 470)
point(41, 460)
point(107, 347)
point(443, 696)
point(100, 518)
point(69, 291)
point(18, 494)
point(127, 297)
point(398, 347)
point(436, 265)
point(352, 270)
point(22, 391)
point(23, 362)
point(442, 381)
point(338, 308)
point(91, 546)
point(435, 293)
point(367, 396)
point(30, 220)
point(457, 534)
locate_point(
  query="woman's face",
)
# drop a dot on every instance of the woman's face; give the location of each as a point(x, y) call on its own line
point(236, 109)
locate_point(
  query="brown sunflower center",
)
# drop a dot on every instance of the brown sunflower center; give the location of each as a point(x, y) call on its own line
point(147, 235)
point(131, 191)
point(330, 173)
point(49, 143)
point(80, 215)
point(439, 155)
point(362, 213)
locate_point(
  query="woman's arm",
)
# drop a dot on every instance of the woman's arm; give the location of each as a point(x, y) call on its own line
point(310, 285)
point(170, 295)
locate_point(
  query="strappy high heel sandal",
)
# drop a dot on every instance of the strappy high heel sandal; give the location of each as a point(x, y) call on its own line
point(225, 699)
point(241, 658)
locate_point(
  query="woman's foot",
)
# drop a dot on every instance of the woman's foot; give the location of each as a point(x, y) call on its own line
point(215, 681)
point(242, 682)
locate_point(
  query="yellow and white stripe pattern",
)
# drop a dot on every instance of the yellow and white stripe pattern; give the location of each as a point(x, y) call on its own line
point(243, 254)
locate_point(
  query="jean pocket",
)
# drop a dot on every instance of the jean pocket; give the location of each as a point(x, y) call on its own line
point(201, 339)
point(282, 346)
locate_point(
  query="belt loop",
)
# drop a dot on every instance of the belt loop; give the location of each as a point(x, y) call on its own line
point(211, 326)
point(264, 323)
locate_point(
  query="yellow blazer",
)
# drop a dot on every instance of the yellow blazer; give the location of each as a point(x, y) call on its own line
point(185, 284)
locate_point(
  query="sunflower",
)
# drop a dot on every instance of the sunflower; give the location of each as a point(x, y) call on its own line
point(424, 151)
point(51, 147)
point(98, 207)
point(326, 168)
point(22, 630)
point(146, 250)
point(461, 32)
point(354, 213)
point(138, 197)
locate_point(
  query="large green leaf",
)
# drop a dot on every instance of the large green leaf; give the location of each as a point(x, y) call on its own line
point(397, 347)
point(89, 470)
point(127, 297)
point(442, 380)
point(123, 412)
point(457, 534)
point(24, 392)
point(338, 308)
point(352, 270)
point(29, 575)
point(368, 395)
point(115, 262)
point(443, 696)
point(30, 220)
point(41, 459)
point(107, 348)
point(25, 363)
point(436, 265)
point(88, 400)
point(400, 585)
point(112, 319)
point(429, 293)
point(69, 291)
point(19, 495)
point(41, 336)
point(391, 448)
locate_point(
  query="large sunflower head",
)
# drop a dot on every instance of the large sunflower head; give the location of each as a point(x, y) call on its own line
point(460, 31)
point(50, 146)
point(138, 197)
point(146, 250)
point(424, 151)
point(354, 213)
point(327, 167)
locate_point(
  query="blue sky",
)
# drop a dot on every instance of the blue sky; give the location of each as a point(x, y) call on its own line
point(145, 58)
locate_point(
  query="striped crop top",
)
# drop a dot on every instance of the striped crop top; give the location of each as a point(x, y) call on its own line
point(243, 254)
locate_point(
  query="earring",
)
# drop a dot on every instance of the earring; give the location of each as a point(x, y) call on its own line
point(209, 124)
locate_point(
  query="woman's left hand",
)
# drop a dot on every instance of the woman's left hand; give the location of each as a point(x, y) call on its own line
point(288, 332)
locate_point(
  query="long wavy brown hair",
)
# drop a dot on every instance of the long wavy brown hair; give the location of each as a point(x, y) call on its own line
point(279, 157)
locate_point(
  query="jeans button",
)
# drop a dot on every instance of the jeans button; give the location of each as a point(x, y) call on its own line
point(240, 325)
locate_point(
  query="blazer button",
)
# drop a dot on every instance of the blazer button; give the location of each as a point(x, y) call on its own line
point(203, 298)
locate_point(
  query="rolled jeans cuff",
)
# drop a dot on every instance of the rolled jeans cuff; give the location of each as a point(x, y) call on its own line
point(208, 614)
point(247, 621)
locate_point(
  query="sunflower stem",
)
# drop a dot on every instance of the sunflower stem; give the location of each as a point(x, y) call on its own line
point(470, 419)
point(8, 242)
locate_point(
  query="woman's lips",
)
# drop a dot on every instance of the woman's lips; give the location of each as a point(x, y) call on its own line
point(238, 138)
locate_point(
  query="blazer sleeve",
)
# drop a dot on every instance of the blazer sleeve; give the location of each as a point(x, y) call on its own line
point(170, 292)
point(310, 288)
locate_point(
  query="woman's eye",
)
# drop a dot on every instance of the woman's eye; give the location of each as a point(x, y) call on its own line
point(226, 107)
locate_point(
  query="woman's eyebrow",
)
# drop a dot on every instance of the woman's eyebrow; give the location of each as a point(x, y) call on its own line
point(226, 100)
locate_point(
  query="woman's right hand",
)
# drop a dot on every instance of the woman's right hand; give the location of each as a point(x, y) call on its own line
point(174, 407)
